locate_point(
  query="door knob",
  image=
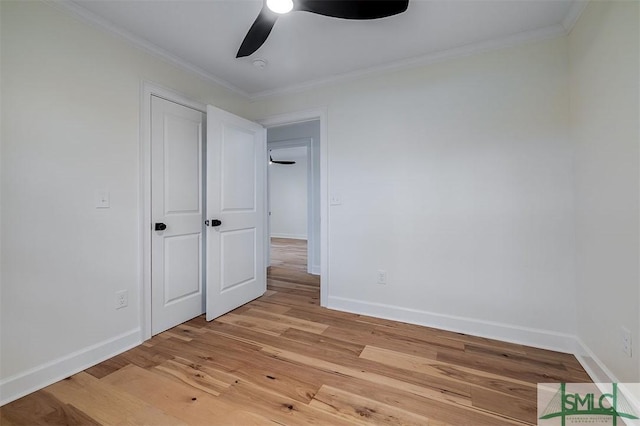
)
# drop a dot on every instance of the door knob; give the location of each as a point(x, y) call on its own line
point(212, 222)
point(160, 226)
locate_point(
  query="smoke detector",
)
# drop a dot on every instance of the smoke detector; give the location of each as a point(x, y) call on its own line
point(259, 63)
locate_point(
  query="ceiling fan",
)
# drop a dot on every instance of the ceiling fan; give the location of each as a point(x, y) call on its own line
point(344, 9)
point(272, 161)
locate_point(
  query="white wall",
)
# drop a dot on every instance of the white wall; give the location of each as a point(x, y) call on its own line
point(455, 178)
point(305, 130)
point(603, 49)
point(288, 194)
point(70, 126)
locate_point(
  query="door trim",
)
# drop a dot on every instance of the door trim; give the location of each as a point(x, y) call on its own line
point(299, 117)
point(147, 90)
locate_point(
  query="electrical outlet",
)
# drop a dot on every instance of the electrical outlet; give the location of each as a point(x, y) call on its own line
point(626, 341)
point(122, 299)
point(382, 277)
point(102, 199)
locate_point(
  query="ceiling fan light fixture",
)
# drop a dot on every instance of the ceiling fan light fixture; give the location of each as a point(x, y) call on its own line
point(344, 9)
point(280, 6)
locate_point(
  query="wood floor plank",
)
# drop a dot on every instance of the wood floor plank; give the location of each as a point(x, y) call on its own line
point(365, 375)
point(314, 371)
point(323, 316)
point(68, 414)
point(42, 408)
point(283, 359)
point(292, 299)
point(317, 340)
point(177, 335)
point(506, 368)
point(278, 408)
point(98, 399)
point(399, 345)
point(189, 330)
point(348, 360)
point(434, 410)
point(451, 401)
point(289, 253)
point(255, 368)
point(37, 404)
point(265, 326)
point(211, 382)
point(183, 402)
point(146, 357)
point(471, 377)
point(285, 286)
point(289, 321)
point(276, 288)
point(483, 341)
point(107, 367)
point(429, 336)
point(500, 354)
point(265, 306)
point(291, 275)
point(7, 420)
point(509, 405)
point(353, 407)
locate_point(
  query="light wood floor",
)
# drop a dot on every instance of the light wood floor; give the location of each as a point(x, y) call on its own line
point(289, 254)
point(284, 360)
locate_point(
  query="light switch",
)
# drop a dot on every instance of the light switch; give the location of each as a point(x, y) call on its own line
point(335, 200)
point(102, 199)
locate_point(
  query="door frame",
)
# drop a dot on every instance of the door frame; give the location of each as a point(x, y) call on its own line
point(311, 196)
point(300, 117)
point(147, 90)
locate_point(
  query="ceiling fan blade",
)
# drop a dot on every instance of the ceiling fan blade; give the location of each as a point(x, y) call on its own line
point(280, 161)
point(258, 33)
point(353, 9)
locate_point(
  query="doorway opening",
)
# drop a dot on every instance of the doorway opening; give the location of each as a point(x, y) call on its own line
point(292, 205)
point(294, 196)
point(309, 127)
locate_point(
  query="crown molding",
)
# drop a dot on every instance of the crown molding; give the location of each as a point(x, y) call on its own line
point(574, 13)
point(103, 24)
point(545, 33)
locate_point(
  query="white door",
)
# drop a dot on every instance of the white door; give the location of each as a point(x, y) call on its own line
point(236, 186)
point(176, 213)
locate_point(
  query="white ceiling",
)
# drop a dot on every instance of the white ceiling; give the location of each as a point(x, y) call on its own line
point(305, 48)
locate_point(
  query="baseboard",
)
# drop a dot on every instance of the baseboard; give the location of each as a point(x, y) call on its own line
point(22, 384)
point(315, 270)
point(633, 396)
point(544, 339)
point(290, 236)
point(599, 373)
